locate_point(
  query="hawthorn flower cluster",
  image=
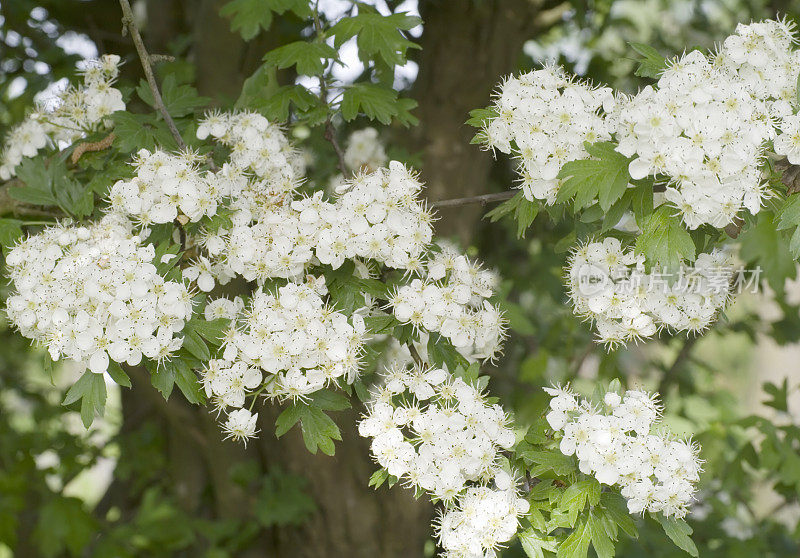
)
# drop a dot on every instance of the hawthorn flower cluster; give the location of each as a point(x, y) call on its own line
point(438, 434)
point(702, 129)
point(481, 521)
point(617, 442)
point(75, 112)
point(92, 294)
point(166, 186)
point(376, 216)
point(544, 118)
point(451, 299)
point(434, 431)
point(364, 151)
point(295, 338)
point(608, 285)
point(257, 147)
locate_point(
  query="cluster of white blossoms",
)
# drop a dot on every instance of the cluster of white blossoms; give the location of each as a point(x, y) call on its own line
point(377, 216)
point(617, 442)
point(702, 130)
point(438, 434)
point(91, 293)
point(481, 521)
point(257, 146)
point(166, 186)
point(434, 431)
point(608, 285)
point(74, 113)
point(544, 118)
point(300, 342)
point(364, 151)
point(451, 299)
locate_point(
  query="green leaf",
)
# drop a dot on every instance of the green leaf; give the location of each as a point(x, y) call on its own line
point(576, 545)
point(534, 543)
point(441, 352)
point(524, 213)
point(652, 64)
point(318, 429)
point(505, 208)
point(664, 240)
point(213, 331)
point(380, 323)
point(604, 177)
point(548, 460)
point(179, 100)
point(118, 374)
point(248, 17)
point(193, 343)
point(679, 532)
point(162, 376)
point(276, 107)
point(377, 103)
point(377, 478)
point(38, 180)
point(617, 510)
point(603, 535)
point(575, 498)
point(91, 390)
point(309, 58)
point(187, 382)
point(261, 85)
point(377, 35)
point(140, 131)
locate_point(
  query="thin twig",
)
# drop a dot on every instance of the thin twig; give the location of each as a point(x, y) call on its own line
point(330, 129)
point(482, 199)
point(129, 24)
point(415, 354)
point(330, 135)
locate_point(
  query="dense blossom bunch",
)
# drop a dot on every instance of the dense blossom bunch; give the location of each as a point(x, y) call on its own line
point(434, 431)
point(166, 186)
point(257, 146)
point(618, 444)
point(364, 151)
point(452, 299)
point(544, 118)
point(481, 521)
point(300, 342)
point(376, 216)
point(608, 284)
point(705, 132)
point(92, 293)
point(74, 113)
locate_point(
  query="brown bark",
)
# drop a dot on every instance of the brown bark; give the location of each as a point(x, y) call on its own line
point(467, 47)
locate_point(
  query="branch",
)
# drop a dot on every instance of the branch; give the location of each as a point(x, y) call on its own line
point(129, 24)
point(330, 135)
point(482, 199)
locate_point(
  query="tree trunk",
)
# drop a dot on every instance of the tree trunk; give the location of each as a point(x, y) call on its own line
point(467, 48)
